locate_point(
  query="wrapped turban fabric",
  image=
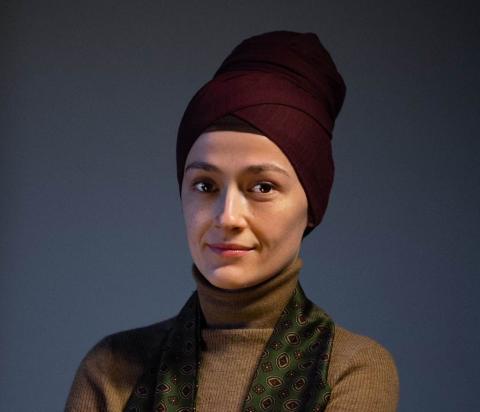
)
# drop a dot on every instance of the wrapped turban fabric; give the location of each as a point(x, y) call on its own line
point(286, 85)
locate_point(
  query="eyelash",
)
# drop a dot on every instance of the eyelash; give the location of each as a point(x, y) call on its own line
point(271, 185)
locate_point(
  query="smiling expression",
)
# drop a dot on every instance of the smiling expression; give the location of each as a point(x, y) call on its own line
point(245, 210)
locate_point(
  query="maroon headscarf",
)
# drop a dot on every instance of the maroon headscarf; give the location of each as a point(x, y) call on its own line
point(286, 85)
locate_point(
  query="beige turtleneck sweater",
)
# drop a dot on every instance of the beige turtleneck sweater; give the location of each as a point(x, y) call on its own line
point(362, 373)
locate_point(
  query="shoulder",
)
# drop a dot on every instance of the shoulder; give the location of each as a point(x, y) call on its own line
point(348, 346)
point(131, 348)
point(362, 374)
point(137, 344)
point(110, 369)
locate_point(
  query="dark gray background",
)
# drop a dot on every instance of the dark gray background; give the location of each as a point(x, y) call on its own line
point(92, 237)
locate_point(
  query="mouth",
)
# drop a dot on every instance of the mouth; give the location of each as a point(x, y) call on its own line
point(229, 249)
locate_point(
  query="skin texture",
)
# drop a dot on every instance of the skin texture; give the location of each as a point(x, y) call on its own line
point(224, 202)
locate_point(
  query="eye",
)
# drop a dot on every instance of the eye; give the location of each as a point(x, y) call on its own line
point(263, 187)
point(203, 186)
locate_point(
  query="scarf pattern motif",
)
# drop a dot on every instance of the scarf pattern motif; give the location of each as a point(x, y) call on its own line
point(291, 374)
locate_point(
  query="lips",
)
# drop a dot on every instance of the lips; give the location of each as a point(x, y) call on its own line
point(229, 246)
point(229, 249)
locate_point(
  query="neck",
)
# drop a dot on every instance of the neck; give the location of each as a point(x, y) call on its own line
point(257, 306)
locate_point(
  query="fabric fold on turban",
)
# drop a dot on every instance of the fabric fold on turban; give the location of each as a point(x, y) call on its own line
point(286, 85)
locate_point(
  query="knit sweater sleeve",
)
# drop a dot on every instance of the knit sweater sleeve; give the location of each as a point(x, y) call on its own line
point(362, 375)
point(108, 373)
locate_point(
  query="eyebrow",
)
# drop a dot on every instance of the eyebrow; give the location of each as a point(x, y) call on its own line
point(256, 169)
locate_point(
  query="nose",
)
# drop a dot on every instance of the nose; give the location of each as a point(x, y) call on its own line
point(231, 209)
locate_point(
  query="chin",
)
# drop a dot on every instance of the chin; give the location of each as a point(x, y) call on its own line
point(227, 278)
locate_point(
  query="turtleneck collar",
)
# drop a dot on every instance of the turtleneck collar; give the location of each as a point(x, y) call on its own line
point(257, 306)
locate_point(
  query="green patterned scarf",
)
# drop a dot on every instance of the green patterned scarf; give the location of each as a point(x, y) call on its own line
point(291, 373)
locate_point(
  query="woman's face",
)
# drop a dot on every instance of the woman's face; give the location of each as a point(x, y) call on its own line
point(245, 210)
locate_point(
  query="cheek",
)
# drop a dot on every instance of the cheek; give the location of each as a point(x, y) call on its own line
point(195, 217)
point(290, 222)
point(188, 215)
point(277, 229)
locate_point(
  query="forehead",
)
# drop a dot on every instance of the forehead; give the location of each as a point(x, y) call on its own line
point(234, 147)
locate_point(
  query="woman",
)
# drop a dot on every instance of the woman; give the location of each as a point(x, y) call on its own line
point(255, 169)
